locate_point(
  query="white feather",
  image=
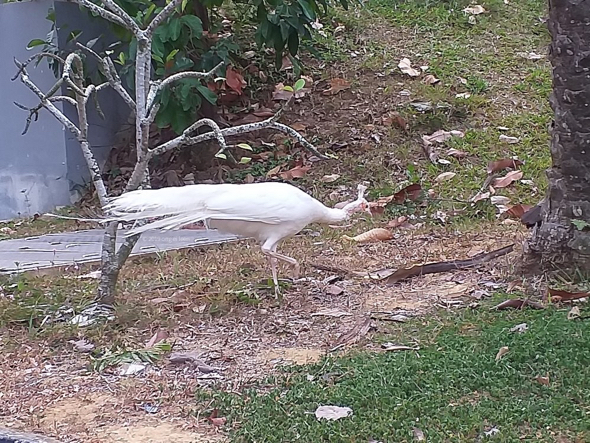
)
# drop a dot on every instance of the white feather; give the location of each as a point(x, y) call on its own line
point(268, 212)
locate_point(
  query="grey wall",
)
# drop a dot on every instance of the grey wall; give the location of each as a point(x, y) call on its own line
point(33, 167)
point(45, 168)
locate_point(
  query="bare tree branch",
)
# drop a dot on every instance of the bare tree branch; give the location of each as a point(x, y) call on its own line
point(111, 74)
point(182, 140)
point(68, 72)
point(120, 12)
point(104, 13)
point(34, 57)
point(159, 85)
point(60, 98)
point(297, 136)
point(163, 15)
point(60, 116)
point(80, 132)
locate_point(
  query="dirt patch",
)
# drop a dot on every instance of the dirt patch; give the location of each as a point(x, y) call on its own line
point(72, 411)
point(298, 356)
point(155, 433)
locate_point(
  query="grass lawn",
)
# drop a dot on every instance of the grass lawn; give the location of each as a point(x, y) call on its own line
point(452, 389)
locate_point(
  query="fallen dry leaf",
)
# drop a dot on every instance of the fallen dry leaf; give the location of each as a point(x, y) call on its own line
point(499, 165)
point(441, 136)
point(405, 65)
point(530, 55)
point(397, 222)
point(502, 352)
point(337, 85)
point(393, 347)
point(474, 10)
point(355, 334)
point(234, 80)
point(480, 196)
point(331, 312)
point(131, 368)
point(520, 328)
point(334, 290)
point(330, 178)
point(395, 119)
point(444, 177)
point(82, 345)
point(156, 338)
point(332, 412)
point(215, 420)
point(280, 93)
point(295, 172)
point(418, 434)
point(411, 192)
point(456, 153)
point(517, 211)
point(517, 303)
point(463, 95)
point(573, 313)
point(507, 180)
point(508, 139)
point(274, 171)
point(498, 200)
point(544, 380)
point(556, 295)
point(298, 126)
point(430, 80)
point(371, 236)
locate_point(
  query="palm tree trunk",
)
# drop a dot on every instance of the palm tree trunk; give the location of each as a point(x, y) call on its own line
point(562, 240)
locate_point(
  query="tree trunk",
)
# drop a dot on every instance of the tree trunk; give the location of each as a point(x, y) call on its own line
point(562, 240)
point(111, 263)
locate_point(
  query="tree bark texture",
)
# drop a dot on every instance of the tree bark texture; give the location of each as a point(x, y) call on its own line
point(556, 243)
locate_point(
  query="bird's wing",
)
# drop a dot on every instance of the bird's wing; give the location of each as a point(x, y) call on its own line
point(270, 203)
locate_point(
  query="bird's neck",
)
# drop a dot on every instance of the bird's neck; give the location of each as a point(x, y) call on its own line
point(333, 215)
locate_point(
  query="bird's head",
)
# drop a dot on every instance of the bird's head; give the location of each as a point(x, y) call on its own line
point(360, 204)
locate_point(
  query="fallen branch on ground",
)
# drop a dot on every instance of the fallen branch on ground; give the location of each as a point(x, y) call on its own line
point(391, 276)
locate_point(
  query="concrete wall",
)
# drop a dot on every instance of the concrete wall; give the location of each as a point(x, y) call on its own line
point(45, 168)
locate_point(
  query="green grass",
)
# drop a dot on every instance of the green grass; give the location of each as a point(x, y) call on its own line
point(452, 389)
point(483, 59)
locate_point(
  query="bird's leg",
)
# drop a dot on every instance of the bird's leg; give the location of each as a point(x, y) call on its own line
point(286, 259)
point(275, 278)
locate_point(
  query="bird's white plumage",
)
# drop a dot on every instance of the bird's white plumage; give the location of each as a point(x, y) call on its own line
point(268, 212)
point(259, 203)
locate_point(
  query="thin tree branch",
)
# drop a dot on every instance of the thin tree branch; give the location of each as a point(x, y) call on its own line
point(297, 136)
point(182, 140)
point(159, 85)
point(34, 57)
point(69, 72)
point(46, 103)
point(214, 128)
point(158, 19)
point(104, 13)
point(111, 74)
point(120, 12)
point(59, 98)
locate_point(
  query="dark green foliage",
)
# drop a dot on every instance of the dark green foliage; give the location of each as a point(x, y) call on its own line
point(180, 44)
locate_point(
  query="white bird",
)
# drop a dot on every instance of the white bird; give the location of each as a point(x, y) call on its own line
point(268, 212)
